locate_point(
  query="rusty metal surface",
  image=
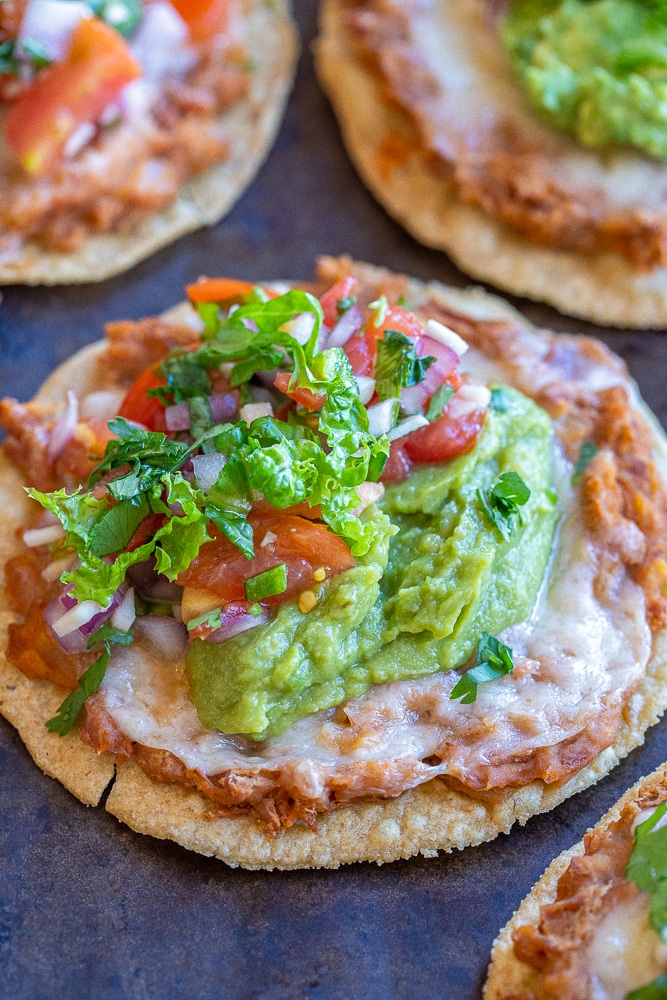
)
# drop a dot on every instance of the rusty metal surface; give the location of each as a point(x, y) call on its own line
point(92, 911)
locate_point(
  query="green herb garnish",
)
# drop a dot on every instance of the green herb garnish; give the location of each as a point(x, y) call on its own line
point(657, 990)
point(398, 365)
point(647, 867)
point(494, 660)
point(501, 503)
point(586, 452)
point(439, 400)
point(64, 720)
point(267, 584)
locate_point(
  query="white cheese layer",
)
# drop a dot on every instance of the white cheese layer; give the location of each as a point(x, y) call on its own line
point(626, 952)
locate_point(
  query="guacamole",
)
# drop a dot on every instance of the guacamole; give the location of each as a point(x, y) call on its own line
point(437, 575)
point(594, 68)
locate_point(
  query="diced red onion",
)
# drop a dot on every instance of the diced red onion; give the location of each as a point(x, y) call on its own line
point(124, 615)
point(233, 623)
point(55, 569)
point(381, 417)
point(177, 417)
point(72, 622)
point(443, 334)
point(151, 584)
point(300, 328)
point(470, 397)
point(224, 406)
point(407, 426)
point(64, 428)
point(368, 493)
point(51, 23)
point(167, 637)
point(160, 43)
point(43, 536)
point(348, 324)
point(207, 468)
point(253, 411)
point(415, 397)
point(366, 386)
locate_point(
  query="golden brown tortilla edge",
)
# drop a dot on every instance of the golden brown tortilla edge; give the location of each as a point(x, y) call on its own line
point(424, 820)
point(253, 125)
point(506, 974)
point(603, 288)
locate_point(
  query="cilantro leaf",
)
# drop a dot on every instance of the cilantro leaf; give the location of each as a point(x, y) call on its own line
point(657, 990)
point(211, 618)
point(439, 400)
point(586, 452)
point(647, 867)
point(494, 660)
point(398, 365)
point(112, 532)
point(108, 634)
point(64, 720)
point(501, 503)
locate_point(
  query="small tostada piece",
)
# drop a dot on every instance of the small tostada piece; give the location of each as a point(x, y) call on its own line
point(126, 123)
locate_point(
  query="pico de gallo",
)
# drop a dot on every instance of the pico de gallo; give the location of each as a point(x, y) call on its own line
point(266, 472)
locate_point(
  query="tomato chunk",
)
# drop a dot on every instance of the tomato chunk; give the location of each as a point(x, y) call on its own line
point(68, 94)
point(313, 401)
point(204, 18)
point(343, 289)
point(224, 291)
point(445, 438)
point(143, 409)
point(219, 572)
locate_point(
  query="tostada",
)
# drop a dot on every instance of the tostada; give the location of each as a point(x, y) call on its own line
point(126, 124)
point(348, 571)
point(593, 927)
point(527, 138)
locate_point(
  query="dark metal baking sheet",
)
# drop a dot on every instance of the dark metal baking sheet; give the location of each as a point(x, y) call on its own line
point(90, 910)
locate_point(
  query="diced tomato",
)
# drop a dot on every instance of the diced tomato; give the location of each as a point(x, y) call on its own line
point(224, 291)
point(141, 408)
point(362, 350)
point(313, 401)
point(220, 569)
point(398, 465)
point(444, 439)
point(204, 18)
point(343, 289)
point(68, 94)
point(146, 530)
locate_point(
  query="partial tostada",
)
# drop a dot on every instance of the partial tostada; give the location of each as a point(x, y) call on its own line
point(126, 123)
point(526, 138)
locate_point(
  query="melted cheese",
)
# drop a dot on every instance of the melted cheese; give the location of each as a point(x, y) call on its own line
point(578, 654)
point(626, 952)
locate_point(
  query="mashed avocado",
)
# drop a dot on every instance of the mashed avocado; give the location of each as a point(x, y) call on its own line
point(594, 68)
point(416, 603)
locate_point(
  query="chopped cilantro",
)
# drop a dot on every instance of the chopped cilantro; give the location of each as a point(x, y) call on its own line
point(398, 365)
point(501, 401)
point(271, 581)
point(501, 503)
point(211, 618)
point(344, 304)
point(439, 400)
point(647, 867)
point(657, 990)
point(64, 720)
point(586, 452)
point(123, 15)
point(107, 633)
point(494, 660)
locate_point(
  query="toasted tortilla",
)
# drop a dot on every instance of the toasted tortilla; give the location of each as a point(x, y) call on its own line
point(252, 125)
point(428, 819)
point(507, 975)
point(603, 287)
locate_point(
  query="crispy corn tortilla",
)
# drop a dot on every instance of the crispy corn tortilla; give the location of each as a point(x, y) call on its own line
point(428, 819)
point(252, 125)
point(601, 287)
point(507, 975)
